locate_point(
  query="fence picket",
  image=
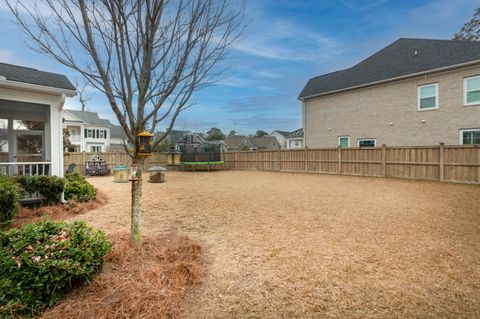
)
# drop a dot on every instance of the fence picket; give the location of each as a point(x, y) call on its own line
point(449, 163)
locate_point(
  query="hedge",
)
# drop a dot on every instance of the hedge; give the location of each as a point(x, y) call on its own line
point(49, 187)
point(44, 260)
point(77, 188)
point(9, 200)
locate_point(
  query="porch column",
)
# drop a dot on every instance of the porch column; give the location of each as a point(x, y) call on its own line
point(11, 142)
point(56, 137)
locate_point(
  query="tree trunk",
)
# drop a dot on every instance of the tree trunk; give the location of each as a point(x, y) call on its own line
point(136, 212)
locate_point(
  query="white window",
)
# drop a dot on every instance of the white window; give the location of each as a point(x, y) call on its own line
point(366, 142)
point(297, 143)
point(96, 148)
point(427, 97)
point(470, 137)
point(344, 141)
point(90, 133)
point(101, 133)
point(471, 90)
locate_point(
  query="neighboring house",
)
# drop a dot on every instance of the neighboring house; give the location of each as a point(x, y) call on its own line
point(412, 92)
point(246, 143)
point(118, 138)
point(222, 144)
point(295, 139)
point(88, 132)
point(281, 137)
point(179, 138)
point(238, 143)
point(265, 143)
point(31, 103)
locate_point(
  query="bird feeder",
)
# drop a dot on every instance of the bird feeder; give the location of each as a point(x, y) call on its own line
point(145, 144)
point(173, 157)
point(156, 174)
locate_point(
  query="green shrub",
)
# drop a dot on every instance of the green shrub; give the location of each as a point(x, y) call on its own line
point(9, 201)
point(78, 188)
point(42, 261)
point(49, 187)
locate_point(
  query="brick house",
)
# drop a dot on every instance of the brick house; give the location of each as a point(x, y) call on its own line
point(412, 92)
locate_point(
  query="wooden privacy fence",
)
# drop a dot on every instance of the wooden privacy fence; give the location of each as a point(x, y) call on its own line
point(452, 163)
point(112, 158)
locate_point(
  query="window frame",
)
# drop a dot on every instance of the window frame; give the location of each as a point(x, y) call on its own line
point(465, 80)
point(90, 132)
point(460, 134)
point(100, 147)
point(367, 139)
point(343, 136)
point(437, 99)
point(101, 134)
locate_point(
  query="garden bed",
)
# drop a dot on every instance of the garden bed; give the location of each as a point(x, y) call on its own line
point(146, 283)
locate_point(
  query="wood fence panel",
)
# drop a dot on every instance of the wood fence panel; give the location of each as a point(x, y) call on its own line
point(458, 163)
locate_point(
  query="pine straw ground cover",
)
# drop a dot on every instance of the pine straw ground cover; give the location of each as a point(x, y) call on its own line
point(28, 215)
point(137, 283)
point(280, 245)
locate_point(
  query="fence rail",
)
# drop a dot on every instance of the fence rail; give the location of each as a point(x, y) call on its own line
point(112, 158)
point(445, 163)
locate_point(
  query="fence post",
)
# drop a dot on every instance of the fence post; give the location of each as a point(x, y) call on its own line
point(237, 155)
point(305, 154)
point(339, 160)
point(442, 161)
point(384, 160)
point(279, 154)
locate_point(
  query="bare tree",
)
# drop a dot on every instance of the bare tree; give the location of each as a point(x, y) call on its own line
point(148, 56)
point(82, 95)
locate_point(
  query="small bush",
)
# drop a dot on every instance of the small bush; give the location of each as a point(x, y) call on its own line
point(78, 188)
point(49, 187)
point(9, 200)
point(42, 261)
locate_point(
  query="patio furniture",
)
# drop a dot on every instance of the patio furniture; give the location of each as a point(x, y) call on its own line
point(71, 168)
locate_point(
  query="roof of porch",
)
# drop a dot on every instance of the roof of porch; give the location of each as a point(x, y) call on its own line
point(33, 76)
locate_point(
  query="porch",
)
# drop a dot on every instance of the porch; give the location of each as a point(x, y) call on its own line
point(30, 143)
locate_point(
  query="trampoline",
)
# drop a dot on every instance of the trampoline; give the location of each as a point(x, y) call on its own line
point(202, 157)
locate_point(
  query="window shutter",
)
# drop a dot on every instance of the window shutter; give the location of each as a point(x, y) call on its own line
point(96, 133)
point(85, 133)
point(105, 134)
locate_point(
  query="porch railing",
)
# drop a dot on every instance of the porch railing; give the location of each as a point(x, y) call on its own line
point(25, 168)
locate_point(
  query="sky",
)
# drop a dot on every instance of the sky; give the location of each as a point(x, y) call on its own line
point(285, 43)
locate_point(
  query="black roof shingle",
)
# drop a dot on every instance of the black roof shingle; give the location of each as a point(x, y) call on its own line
point(33, 76)
point(401, 58)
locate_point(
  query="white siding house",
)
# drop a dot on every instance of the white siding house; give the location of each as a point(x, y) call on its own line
point(31, 103)
point(90, 133)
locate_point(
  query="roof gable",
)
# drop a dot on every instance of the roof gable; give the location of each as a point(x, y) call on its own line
point(401, 58)
point(89, 117)
point(22, 74)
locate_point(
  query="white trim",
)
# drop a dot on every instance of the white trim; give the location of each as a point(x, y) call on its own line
point(465, 103)
point(419, 88)
point(460, 134)
point(446, 68)
point(37, 88)
point(343, 136)
point(367, 139)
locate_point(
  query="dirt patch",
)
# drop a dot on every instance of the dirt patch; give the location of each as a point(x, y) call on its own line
point(285, 245)
point(57, 212)
point(137, 283)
